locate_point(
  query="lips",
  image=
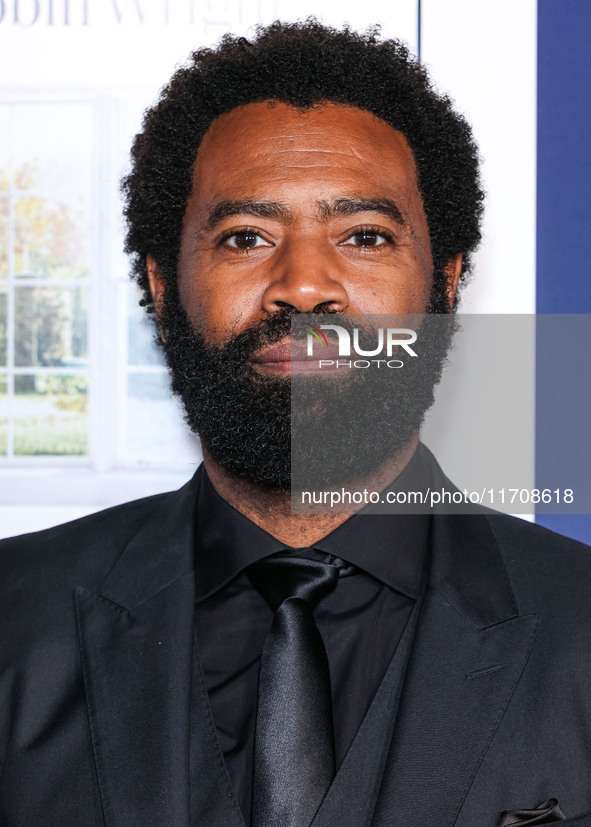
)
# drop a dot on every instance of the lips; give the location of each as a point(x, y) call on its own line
point(287, 356)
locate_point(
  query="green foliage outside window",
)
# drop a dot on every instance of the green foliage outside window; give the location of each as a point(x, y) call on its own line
point(50, 241)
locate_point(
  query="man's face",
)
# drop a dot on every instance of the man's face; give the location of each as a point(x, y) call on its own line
point(313, 211)
point(302, 209)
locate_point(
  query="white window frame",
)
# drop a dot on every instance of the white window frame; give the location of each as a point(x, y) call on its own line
point(105, 476)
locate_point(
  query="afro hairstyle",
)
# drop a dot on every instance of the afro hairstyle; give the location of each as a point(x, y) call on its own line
point(303, 64)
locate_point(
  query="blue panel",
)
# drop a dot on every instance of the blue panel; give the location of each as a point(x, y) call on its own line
point(563, 414)
point(564, 157)
point(577, 525)
point(563, 213)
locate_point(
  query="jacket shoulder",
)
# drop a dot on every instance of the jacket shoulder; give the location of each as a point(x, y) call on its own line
point(545, 568)
point(80, 552)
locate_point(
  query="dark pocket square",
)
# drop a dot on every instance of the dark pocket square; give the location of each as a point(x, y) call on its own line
point(548, 812)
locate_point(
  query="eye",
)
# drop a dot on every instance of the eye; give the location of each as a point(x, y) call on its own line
point(245, 240)
point(368, 237)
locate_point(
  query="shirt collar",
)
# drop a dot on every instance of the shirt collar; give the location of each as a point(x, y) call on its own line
point(390, 547)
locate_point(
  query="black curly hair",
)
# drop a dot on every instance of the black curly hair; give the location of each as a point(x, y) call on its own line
point(302, 64)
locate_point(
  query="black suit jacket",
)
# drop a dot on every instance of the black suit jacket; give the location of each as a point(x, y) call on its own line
point(486, 706)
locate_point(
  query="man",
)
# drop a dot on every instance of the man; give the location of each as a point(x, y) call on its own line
point(207, 657)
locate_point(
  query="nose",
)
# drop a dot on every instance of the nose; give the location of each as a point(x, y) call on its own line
point(306, 279)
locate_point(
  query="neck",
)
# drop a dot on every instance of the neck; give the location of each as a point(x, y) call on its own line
point(271, 510)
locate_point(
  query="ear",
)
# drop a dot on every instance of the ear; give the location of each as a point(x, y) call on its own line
point(453, 271)
point(156, 284)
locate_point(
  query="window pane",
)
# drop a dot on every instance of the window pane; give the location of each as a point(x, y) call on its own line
point(52, 146)
point(3, 414)
point(50, 414)
point(51, 237)
point(141, 349)
point(51, 326)
point(3, 325)
point(155, 429)
point(4, 237)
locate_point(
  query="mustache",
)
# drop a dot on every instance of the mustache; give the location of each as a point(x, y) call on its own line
point(267, 331)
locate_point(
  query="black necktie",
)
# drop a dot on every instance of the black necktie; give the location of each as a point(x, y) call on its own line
point(294, 762)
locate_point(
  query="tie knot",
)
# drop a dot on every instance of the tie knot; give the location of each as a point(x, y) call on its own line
point(279, 578)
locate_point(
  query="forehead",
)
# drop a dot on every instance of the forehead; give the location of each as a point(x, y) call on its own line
point(328, 146)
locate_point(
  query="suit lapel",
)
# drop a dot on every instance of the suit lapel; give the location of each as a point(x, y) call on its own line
point(470, 649)
point(212, 797)
point(136, 639)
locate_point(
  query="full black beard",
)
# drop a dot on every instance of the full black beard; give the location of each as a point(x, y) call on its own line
point(303, 432)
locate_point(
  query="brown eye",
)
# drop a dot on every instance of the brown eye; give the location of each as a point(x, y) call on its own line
point(246, 240)
point(367, 238)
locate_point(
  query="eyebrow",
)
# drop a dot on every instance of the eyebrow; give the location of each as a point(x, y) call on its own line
point(248, 206)
point(339, 208)
point(343, 207)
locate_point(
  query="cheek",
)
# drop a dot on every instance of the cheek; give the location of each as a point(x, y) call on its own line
point(392, 300)
point(217, 306)
point(400, 288)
